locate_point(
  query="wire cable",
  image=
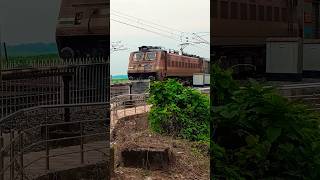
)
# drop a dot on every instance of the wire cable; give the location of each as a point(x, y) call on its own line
point(148, 21)
point(164, 35)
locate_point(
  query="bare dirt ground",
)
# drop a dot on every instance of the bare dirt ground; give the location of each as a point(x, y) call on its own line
point(190, 160)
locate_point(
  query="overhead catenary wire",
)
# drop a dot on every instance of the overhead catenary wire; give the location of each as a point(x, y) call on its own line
point(163, 33)
point(138, 21)
point(166, 29)
point(191, 43)
point(169, 28)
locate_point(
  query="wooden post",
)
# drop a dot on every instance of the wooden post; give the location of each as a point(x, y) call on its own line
point(66, 95)
point(47, 147)
point(111, 161)
point(0, 68)
point(145, 103)
point(124, 109)
point(11, 154)
point(5, 51)
point(21, 155)
point(81, 143)
point(116, 103)
point(1, 159)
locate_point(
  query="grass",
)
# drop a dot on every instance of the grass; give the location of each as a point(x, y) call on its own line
point(28, 60)
point(118, 81)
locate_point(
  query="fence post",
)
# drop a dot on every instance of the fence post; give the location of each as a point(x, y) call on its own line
point(21, 154)
point(81, 143)
point(47, 147)
point(111, 161)
point(11, 154)
point(135, 106)
point(1, 159)
point(116, 103)
point(145, 103)
point(124, 109)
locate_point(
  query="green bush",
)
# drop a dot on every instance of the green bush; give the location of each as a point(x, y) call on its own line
point(261, 135)
point(179, 111)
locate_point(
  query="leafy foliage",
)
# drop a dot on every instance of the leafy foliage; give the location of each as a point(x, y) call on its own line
point(222, 85)
point(179, 111)
point(262, 135)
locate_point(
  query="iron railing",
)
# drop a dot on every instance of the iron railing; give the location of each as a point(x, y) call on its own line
point(44, 129)
point(34, 82)
point(126, 105)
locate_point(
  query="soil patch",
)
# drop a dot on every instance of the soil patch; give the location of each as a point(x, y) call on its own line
point(184, 159)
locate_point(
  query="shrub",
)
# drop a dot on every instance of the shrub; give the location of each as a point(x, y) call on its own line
point(179, 111)
point(262, 135)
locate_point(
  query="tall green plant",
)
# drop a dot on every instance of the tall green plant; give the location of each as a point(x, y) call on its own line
point(222, 85)
point(179, 111)
point(262, 135)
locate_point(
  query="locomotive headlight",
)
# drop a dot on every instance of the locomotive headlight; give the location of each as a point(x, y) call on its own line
point(130, 67)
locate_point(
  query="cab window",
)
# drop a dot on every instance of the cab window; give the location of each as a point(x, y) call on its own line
point(138, 57)
point(150, 56)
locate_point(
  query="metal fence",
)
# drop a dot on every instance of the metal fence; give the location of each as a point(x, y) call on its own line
point(48, 105)
point(126, 105)
point(38, 82)
point(132, 87)
point(308, 93)
point(43, 129)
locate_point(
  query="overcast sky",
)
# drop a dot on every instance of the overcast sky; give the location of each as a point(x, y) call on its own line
point(184, 15)
point(27, 21)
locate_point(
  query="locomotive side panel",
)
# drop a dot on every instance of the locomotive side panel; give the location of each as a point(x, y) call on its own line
point(254, 21)
point(83, 24)
point(241, 28)
point(161, 64)
point(182, 66)
point(82, 17)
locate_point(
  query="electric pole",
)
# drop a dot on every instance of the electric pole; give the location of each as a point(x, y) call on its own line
point(117, 46)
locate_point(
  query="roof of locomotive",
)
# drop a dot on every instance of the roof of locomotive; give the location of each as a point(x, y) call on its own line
point(158, 48)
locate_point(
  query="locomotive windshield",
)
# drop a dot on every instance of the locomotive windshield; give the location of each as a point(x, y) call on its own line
point(138, 56)
point(150, 56)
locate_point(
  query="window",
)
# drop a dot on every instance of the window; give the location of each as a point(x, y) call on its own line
point(214, 8)
point(234, 10)
point(269, 13)
point(253, 12)
point(284, 15)
point(150, 56)
point(243, 11)
point(224, 7)
point(138, 56)
point(261, 13)
point(276, 14)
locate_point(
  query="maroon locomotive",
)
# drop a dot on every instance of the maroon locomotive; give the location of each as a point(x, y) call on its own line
point(157, 63)
point(83, 29)
point(241, 27)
